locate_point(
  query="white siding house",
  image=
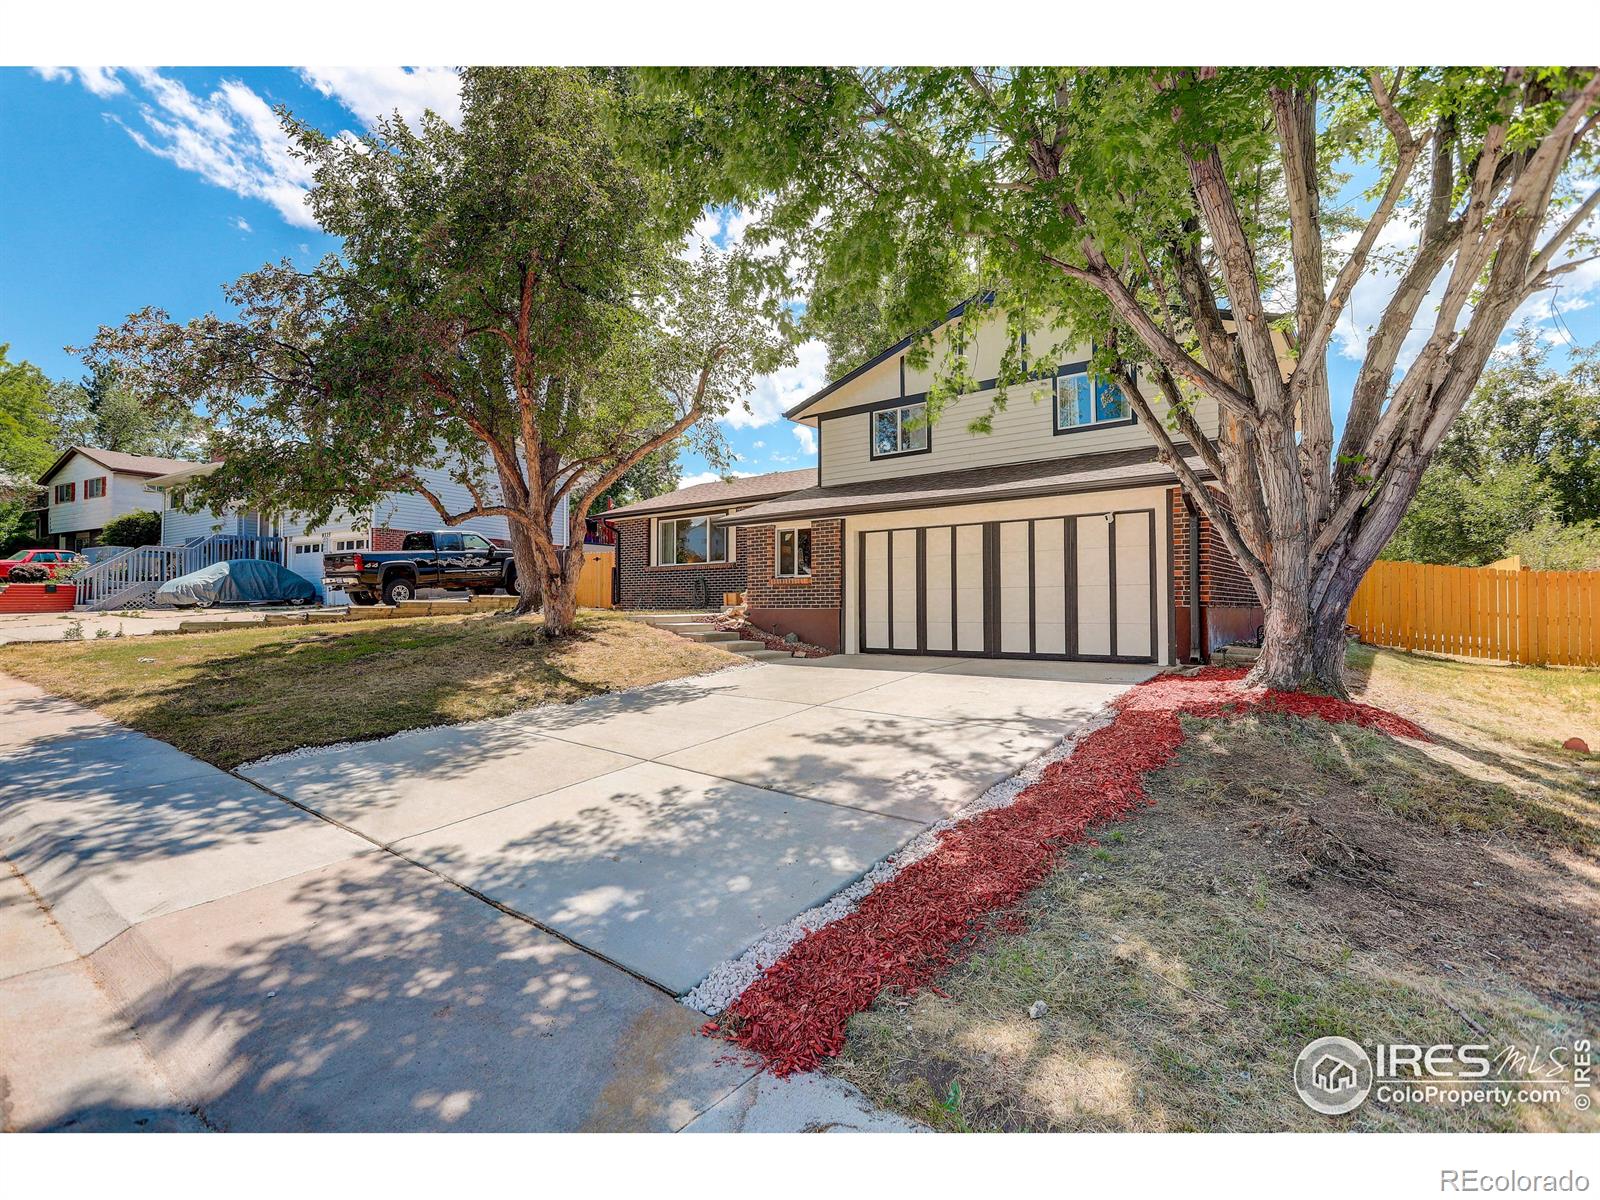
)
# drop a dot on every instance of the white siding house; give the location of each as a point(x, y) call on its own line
point(86, 487)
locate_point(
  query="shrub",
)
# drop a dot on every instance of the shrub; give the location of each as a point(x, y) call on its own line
point(138, 528)
point(1552, 546)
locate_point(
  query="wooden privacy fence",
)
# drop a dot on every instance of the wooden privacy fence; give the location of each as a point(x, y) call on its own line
point(1546, 617)
point(594, 581)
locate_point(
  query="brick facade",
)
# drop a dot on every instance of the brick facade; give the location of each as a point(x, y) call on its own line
point(1230, 609)
point(809, 608)
point(384, 538)
point(641, 585)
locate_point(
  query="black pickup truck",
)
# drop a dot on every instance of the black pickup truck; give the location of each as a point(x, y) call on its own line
point(442, 559)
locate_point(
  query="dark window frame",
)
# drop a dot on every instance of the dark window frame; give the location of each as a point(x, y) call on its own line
point(899, 402)
point(710, 518)
point(105, 485)
point(777, 552)
point(70, 490)
point(1082, 368)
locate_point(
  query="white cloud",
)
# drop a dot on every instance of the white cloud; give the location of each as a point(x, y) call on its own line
point(102, 81)
point(230, 138)
point(242, 225)
point(373, 92)
point(710, 477)
point(783, 389)
point(758, 445)
point(807, 437)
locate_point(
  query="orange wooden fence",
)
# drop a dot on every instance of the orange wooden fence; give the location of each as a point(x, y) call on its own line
point(594, 582)
point(1546, 617)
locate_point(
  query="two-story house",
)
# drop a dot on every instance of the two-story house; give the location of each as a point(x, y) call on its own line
point(1056, 534)
point(86, 486)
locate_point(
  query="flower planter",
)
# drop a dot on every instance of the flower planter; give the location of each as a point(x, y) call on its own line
point(38, 597)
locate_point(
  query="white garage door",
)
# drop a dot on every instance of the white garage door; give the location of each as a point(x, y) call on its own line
point(1077, 587)
point(305, 560)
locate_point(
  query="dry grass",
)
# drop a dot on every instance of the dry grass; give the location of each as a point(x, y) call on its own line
point(235, 696)
point(1293, 879)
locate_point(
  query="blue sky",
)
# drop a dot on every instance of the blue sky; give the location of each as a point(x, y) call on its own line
point(126, 188)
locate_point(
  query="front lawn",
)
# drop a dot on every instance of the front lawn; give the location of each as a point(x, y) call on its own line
point(244, 694)
point(1293, 879)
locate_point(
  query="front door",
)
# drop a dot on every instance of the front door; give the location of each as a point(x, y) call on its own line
point(1076, 587)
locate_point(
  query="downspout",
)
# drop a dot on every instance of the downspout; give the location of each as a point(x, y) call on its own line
point(1196, 637)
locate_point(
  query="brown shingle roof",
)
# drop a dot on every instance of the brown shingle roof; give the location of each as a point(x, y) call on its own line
point(116, 460)
point(1012, 481)
point(742, 490)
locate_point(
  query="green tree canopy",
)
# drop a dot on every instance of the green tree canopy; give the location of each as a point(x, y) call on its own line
point(508, 304)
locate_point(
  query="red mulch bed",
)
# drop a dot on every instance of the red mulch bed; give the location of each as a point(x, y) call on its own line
point(914, 926)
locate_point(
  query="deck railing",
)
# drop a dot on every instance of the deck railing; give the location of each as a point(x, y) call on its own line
point(134, 573)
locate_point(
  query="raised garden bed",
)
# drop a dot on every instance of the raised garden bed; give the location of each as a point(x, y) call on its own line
point(38, 597)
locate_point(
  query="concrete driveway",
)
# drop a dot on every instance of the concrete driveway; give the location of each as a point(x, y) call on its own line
point(667, 829)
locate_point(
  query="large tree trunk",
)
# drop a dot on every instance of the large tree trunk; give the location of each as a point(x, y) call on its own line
point(529, 572)
point(561, 593)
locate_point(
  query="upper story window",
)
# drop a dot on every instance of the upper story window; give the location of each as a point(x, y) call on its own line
point(900, 430)
point(683, 541)
point(66, 493)
point(1083, 401)
point(93, 489)
point(794, 554)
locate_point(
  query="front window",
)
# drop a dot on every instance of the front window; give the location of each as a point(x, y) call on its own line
point(690, 540)
point(66, 492)
point(901, 430)
point(794, 553)
point(93, 489)
point(473, 542)
point(1083, 400)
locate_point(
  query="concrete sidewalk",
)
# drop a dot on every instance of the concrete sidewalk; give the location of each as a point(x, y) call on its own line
point(182, 950)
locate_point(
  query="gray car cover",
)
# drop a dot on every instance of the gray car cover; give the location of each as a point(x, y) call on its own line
point(242, 581)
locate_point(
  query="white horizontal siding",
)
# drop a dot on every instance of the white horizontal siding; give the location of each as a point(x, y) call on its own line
point(412, 510)
point(178, 526)
point(1023, 432)
point(124, 494)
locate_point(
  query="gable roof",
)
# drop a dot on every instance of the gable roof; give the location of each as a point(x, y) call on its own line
point(855, 373)
point(741, 490)
point(117, 461)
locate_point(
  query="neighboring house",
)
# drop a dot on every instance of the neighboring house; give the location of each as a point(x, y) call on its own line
point(87, 486)
point(382, 527)
point(1057, 534)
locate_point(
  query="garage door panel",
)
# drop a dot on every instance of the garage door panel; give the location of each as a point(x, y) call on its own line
point(938, 570)
point(903, 603)
point(971, 603)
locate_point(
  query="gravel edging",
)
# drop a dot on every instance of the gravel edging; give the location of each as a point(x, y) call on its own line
point(728, 980)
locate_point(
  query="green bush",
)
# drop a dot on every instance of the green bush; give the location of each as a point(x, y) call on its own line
point(138, 528)
point(1552, 546)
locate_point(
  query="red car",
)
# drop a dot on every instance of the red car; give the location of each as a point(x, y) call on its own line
point(51, 560)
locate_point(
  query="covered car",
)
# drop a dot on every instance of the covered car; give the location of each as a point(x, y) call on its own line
point(241, 581)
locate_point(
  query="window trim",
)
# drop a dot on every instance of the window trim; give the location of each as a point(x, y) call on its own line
point(71, 490)
point(104, 487)
point(899, 402)
point(777, 553)
point(1095, 382)
point(709, 516)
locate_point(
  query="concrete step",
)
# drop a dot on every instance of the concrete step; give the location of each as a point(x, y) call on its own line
point(707, 634)
point(766, 655)
point(741, 647)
